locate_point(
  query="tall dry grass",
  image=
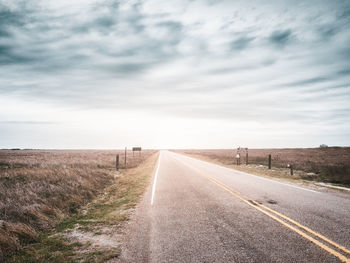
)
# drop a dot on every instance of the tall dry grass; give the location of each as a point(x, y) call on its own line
point(38, 188)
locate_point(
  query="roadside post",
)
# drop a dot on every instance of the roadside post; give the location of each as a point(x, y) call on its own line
point(246, 156)
point(269, 161)
point(117, 162)
point(125, 158)
point(291, 169)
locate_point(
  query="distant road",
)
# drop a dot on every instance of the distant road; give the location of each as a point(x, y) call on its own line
point(196, 211)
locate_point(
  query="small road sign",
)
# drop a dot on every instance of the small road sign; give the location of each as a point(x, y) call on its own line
point(136, 149)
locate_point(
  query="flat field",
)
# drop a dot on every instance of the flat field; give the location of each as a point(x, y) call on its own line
point(331, 164)
point(39, 188)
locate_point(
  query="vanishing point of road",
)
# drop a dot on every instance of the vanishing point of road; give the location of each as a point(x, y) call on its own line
point(195, 211)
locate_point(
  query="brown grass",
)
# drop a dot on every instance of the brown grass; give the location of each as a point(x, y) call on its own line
point(40, 188)
point(330, 164)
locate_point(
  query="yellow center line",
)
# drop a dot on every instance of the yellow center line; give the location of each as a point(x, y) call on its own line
point(261, 208)
point(256, 206)
point(340, 247)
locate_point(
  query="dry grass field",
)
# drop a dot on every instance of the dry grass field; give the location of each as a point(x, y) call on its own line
point(39, 188)
point(331, 164)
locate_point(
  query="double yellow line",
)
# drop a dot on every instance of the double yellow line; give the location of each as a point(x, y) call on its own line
point(285, 221)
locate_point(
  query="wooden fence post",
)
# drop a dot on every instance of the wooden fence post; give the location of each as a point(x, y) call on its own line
point(246, 157)
point(125, 158)
point(269, 161)
point(117, 162)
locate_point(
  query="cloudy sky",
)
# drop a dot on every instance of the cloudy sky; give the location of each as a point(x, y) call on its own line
point(174, 74)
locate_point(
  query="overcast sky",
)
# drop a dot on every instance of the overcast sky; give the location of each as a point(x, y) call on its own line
point(174, 74)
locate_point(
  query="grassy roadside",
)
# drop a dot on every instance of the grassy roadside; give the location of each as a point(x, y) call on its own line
point(39, 188)
point(261, 170)
point(93, 234)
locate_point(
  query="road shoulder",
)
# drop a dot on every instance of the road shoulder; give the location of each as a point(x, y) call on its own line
point(278, 174)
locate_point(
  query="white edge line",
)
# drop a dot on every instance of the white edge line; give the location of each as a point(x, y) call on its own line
point(155, 180)
point(259, 177)
point(333, 186)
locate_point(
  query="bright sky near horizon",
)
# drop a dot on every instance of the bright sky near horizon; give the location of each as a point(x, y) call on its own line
point(174, 74)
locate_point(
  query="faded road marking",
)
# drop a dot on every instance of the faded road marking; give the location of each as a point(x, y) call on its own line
point(155, 180)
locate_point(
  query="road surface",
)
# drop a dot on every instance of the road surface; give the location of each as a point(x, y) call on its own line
point(195, 211)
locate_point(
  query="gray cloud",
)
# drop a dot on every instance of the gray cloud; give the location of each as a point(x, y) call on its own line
point(308, 81)
point(345, 72)
point(280, 37)
point(241, 43)
point(172, 26)
point(9, 18)
point(53, 42)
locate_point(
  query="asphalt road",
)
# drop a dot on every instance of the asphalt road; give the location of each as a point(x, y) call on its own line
point(196, 211)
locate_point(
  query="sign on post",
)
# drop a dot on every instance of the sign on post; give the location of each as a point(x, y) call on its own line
point(136, 149)
point(238, 158)
point(240, 152)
